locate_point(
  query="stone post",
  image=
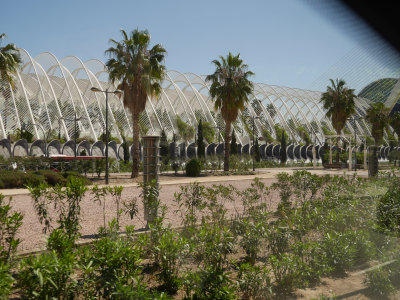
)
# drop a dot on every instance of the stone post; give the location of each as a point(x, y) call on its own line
point(350, 158)
point(151, 166)
point(365, 158)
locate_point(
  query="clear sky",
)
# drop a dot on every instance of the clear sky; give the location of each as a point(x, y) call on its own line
point(284, 42)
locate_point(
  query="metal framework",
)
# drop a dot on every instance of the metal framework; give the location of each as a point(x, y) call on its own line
point(51, 92)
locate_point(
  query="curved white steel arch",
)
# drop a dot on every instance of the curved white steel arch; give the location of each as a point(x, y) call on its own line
point(66, 82)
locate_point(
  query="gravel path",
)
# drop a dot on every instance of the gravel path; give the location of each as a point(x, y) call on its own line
point(32, 237)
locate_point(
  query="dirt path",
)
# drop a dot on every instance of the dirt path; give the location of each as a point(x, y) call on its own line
point(32, 237)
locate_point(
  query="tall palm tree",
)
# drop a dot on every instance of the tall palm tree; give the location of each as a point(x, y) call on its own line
point(10, 60)
point(230, 89)
point(338, 101)
point(140, 71)
point(378, 116)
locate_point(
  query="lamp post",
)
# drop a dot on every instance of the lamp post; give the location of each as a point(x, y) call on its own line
point(116, 92)
point(254, 151)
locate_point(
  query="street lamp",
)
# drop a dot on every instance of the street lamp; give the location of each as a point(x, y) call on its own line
point(355, 139)
point(254, 151)
point(116, 92)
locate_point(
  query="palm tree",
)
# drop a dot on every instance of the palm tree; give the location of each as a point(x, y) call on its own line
point(378, 116)
point(338, 101)
point(230, 89)
point(395, 123)
point(140, 72)
point(10, 60)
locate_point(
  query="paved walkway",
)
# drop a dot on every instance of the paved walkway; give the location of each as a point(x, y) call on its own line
point(263, 173)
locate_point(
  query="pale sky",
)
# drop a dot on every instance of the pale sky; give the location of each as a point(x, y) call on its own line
point(285, 42)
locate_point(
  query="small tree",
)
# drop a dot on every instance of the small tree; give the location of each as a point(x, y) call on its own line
point(201, 148)
point(163, 145)
point(282, 151)
point(234, 145)
point(208, 132)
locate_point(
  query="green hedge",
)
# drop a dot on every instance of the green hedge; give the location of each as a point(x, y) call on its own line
point(19, 179)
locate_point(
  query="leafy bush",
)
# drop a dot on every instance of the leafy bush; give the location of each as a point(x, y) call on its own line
point(254, 282)
point(379, 283)
point(388, 209)
point(209, 283)
point(10, 222)
point(47, 276)
point(193, 168)
point(171, 249)
point(6, 280)
point(19, 179)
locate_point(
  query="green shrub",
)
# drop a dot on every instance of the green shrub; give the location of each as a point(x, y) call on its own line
point(6, 280)
point(286, 269)
point(47, 276)
point(379, 283)
point(171, 249)
point(388, 209)
point(114, 263)
point(209, 283)
point(254, 282)
point(193, 168)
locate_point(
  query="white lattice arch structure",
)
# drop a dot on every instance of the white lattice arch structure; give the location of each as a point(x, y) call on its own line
point(51, 91)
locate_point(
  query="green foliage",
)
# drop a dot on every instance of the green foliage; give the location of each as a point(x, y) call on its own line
point(388, 210)
point(186, 132)
point(66, 202)
point(303, 133)
point(164, 151)
point(193, 168)
point(24, 134)
point(254, 282)
point(267, 135)
point(48, 275)
point(114, 262)
point(279, 130)
point(10, 222)
point(209, 283)
point(286, 270)
point(338, 102)
point(378, 116)
point(6, 280)
point(200, 141)
point(379, 283)
point(171, 248)
point(208, 132)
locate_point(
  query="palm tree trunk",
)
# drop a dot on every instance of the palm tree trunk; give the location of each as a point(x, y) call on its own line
point(135, 146)
point(227, 145)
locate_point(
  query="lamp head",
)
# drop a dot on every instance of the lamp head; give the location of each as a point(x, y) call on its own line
point(95, 89)
point(118, 93)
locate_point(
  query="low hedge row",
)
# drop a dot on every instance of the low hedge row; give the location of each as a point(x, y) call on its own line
point(19, 179)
